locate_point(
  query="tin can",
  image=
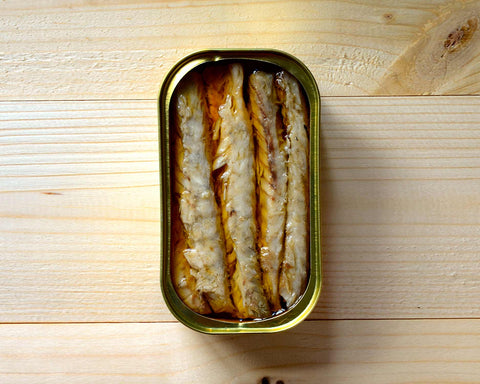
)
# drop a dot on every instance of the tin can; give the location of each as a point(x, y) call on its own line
point(256, 58)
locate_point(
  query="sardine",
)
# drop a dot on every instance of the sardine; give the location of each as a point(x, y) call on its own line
point(270, 166)
point(199, 213)
point(233, 168)
point(293, 276)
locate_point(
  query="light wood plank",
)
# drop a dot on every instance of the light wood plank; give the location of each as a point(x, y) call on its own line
point(386, 352)
point(123, 48)
point(80, 209)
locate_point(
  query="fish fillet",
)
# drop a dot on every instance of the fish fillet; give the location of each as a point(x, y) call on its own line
point(293, 276)
point(183, 280)
point(270, 159)
point(199, 214)
point(235, 177)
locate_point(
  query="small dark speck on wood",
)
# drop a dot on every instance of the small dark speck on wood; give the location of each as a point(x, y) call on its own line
point(52, 193)
point(266, 380)
point(388, 17)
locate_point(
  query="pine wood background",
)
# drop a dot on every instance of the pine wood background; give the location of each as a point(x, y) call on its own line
point(79, 191)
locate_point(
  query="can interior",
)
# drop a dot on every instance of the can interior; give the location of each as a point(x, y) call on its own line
point(251, 60)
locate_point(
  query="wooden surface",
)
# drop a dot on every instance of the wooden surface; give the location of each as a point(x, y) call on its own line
point(122, 48)
point(79, 192)
point(351, 352)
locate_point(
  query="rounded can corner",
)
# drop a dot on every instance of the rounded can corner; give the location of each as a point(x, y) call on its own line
point(307, 302)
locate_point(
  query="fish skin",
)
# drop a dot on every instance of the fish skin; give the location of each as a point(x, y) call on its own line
point(293, 276)
point(271, 172)
point(199, 213)
point(233, 162)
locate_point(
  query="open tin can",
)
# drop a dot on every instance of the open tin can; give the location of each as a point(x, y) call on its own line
point(271, 60)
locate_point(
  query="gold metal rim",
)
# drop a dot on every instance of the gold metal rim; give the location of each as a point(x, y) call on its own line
point(307, 302)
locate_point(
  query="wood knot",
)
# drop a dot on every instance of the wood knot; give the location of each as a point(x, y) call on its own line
point(388, 17)
point(460, 36)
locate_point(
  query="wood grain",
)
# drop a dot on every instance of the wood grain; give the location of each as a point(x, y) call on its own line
point(123, 48)
point(80, 214)
point(80, 228)
point(374, 352)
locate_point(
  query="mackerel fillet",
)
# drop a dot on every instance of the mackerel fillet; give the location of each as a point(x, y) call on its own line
point(199, 213)
point(293, 276)
point(235, 177)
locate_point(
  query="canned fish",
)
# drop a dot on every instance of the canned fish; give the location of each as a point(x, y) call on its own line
point(239, 161)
